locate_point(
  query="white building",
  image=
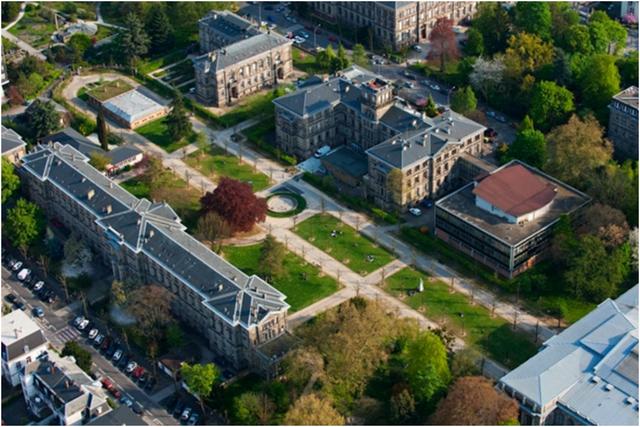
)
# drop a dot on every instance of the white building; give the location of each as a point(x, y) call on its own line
point(22, 342)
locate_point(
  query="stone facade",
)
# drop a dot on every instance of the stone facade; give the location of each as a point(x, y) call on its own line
point(240, 59)
point(395, 24)
point(623, 123)
point(145, 242)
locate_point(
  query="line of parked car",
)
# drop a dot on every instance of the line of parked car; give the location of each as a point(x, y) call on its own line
point(29, 281)
point(112, 350)
point(181, 410)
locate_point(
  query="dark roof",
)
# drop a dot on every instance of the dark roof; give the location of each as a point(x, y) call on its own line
point(120, 416)
point(350, 161)
point(11, 140)
point(515, 190)
point(122, 153)
point(230, 26)
point(72, 137)
point(155, 230)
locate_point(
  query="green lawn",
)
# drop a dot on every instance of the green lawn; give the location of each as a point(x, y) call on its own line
point(103, 32)
point(184, 199)
point(262, 137)
point(109, 89)
point(158, 133)
point(35, 27)
point(254, 106)
point(540, 304)
point(305, 62)
point(349, 246)
point(494, 336)
point(151, 64)
point(215, 163)
point(300, 292)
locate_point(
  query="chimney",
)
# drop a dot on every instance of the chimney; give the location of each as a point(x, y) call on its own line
point(91, 193)
point(108, 209)
point(66, 384)
point(151, 233)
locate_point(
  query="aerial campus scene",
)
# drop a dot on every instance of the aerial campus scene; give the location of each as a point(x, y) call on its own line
point(319, 213)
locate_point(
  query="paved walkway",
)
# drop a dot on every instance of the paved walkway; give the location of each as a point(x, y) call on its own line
point(23, 45)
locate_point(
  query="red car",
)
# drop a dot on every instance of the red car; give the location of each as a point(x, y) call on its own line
point(137, 373)
point(115, 392)
point(106, 383)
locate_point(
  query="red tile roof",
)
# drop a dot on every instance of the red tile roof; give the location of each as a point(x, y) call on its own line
point(515, 190)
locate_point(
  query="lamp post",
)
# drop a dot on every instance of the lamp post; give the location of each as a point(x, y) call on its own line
point(449, 95)
point(315, 43)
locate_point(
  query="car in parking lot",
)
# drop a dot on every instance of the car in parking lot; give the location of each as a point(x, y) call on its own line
point(23, 274)
point(427, 203)
point(93, 333)
point(98, 340)
point(11, 263)
point(186, 413)
point(106, 343)
point(38, 285)
point(48, 296)
point(151, 383)
point(126, 400)
point(417, 48)
point(409, 85)
point(19, 305)
point(130, 367)
point(16, 266)
point(415, 211)
point(137, 372)
point(38, 311)
point(408, 75)
point(193, 419)
point(435, 87)
point(11, 298)
point(78, 320)
point(137, 408)
point(83, 324)
point(177, 410)
point(117, 355)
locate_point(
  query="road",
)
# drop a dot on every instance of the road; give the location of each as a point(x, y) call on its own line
point(56, 325)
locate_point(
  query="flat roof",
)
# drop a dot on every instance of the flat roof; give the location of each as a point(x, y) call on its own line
point(20, 334)
point(462, 204)
point(109, 89)
point(132, 105)
point(350, 161)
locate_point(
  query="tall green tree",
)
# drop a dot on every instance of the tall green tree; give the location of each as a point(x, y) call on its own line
point(431, 109)
point(607, 35)
point(99, 161)
point(200, 379)
point(529, 147)
point(494, 23)
point(25, 223)
point(42, 118)
point(628, 69)
point(475, 42)
point(103, 130)
point(10, 181)
point(79, 44)
point(599, 81)
point(159, 28)
point(133, 41)
point(326, 59)
point(312, 409)
point(617, 186)
point(341, 61)
point(426, 366)
point(563, 16)
point(253, 408)
point(10, 11)
point(551, 105)
point(464, 100)
point(178, 123)
point(577, 40)
point(534, 18)
point(359, 55)
point(272, 257)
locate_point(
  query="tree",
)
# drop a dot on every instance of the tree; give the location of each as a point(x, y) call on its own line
point(464, 100)
point(426, 367)
point(10, 181)
point(154, 169)
point(598, 82)
point(617, 186)
point(103, 130)
point(133, 41)
point(487, 76)
point(359, 55)
point(606, 223)
point(25, 223)
point(444, 45)
point(526, 54)
point(42, 118)
point(607, 35)
point(395, 186)
point(551, 105)
point(534, 18)
point(431, 109)
point(83, 357)
point(475, 43)
point(403, 406)
point(253, 408)
point(79, 43)
point(576, 149)
point(326, 58)
point(235, 202)
point(577, 40)
point(151, 307)
point(178, 124)
point(159, 28)
point(202, 143)
point(302, 365)
point(200, 379)
point(493, 22)
point(475, 401)
point(212, 228)
point(341, 61)
point(10, 11)
point(174, 335)
point(628, 69)
point(311, 410)
point(529, 147)
point(99, 161)
point(563, 17)
point(14, 96)
point(272, 256)
point(465, 363)
point(593, 273)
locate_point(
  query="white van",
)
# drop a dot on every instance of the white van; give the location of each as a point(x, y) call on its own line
point(23, 274)
point(322, 151)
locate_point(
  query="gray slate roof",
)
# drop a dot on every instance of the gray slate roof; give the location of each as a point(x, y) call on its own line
point(155, 230)
point(229, 25)
point(239, 51)
point(11, 140)
point(591, 368)
point(350, 161)
point(120, 416)
point(425, 139)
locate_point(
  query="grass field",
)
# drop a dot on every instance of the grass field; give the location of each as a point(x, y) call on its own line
point(109, 89)
point(493, 336)
point(184, 199)
point(300, 292)
point(349, 246)
point(158, 133)
point(36, 27)
point(306, 62)
point(215, 163)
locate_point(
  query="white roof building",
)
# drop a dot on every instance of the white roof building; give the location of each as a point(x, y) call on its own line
point(22, 342)
point(133, 106)
point(586, 375)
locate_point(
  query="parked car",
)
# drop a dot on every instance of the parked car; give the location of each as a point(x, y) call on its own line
point(322, 151)
point(126, 400)
point(186, 413)
point(417, 48)
point(130, 367)
point(143, 379)
point(193, 419)
point(29, 281)
point(16, 266)
point(12, 262)
point(24, 273)
point(106, 383)
point(49, 296)
point(177, 411)
point(117, 355)
point(93, 333)
point(427, 203)
point(77, 321)
point(115, 393)
point(409, 85)
point(38, 311)
point(115, 345)
point(105, 344)
point(435, 87)
point(19, 305)
point(151, 383)
point(38, 285)
point(98, 340)
point(83, 325)
point(11, 298)
point(137, 372)
point(137, 408)
point(415, 211)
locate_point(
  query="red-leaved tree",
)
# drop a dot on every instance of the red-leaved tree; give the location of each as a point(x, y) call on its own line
point(444, 45)
point(14, 96)
point(235, 202)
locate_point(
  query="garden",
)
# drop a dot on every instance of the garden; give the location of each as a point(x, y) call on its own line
point(36, 26)
point(494, 336)
point(215, 163)
point(106, 90)
point(343, 243)
point(157, 132)
point(301, 282)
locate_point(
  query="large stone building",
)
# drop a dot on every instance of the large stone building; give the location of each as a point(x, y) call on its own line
point(395, 24)
point(505, 219)
point(239, 60)
point(623, 123)
point(145, 242)
point(358, 109)
point(586, 375)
